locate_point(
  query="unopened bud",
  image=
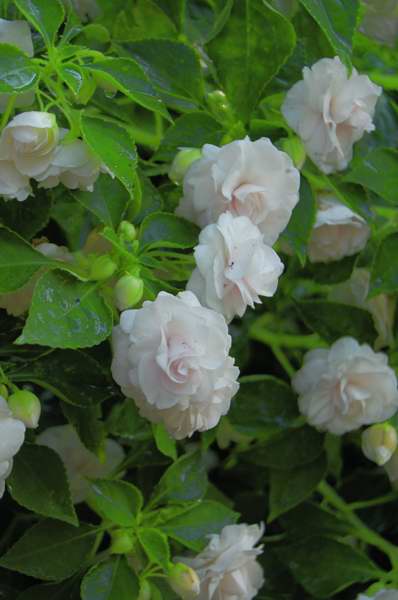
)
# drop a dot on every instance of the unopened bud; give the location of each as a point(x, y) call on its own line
point(102, 268)
point(127, 230)
point(181, 163)
point(184, 581)
point(26, 407)
point(122, 542)
point(145, 591)
point(379, 443)
point(294, 147)
point(128, 291)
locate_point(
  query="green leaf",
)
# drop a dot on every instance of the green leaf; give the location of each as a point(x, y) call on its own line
point(126, 422)
point(164, 442)
point(46, 17)
point(155, 545)
point(242, 52)
point(127, 76)
point(378, 171)
point(273, 406)
point(299, 229)
point(51, 550)
point(184, 480)
point(108, 201)
point(67, 590)
point(324, 566)
point(88, 424)
point(42, 490)
point(384, 273)
point(191, 526)
point(337, 19)
point(18, 261)
point(168, 231)
point(143, 20)
point(173, 68)
point(66, 313)
point(110, 580)
point(192, 130)
point(17, 72)
point(26, 218)
point(311, 519)
point(117, 501)
point(332, 320)
point(114, 145)
point(151, 199)
point(292, 486)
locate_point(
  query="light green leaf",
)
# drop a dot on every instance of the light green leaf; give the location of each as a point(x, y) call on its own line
point(168, 231)
point(108, 201)
point(242, 52)
point(164, 442)
point(378, 171)
point(110, 580)
point(42, 490)
point(47, 17)
point(66, 313)
point(299, 229)
point(17, 72)
point(117, 501)
point(384, 273)
point(155, 545)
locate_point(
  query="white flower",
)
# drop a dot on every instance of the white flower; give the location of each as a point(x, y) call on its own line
point(12, 435)
point(227, 567)
point(18, 34)
point(338, 232)
point(12, 183)
point(253, 179)
point(29, 141)
point(233, 266)
point(17, 303)
point(382, 307)
point(331, 111)
point(379, 442)
point(81, 464)
point(73, 165)
point(346, 386)
point(381, 20)
point(171, 356)
point(381, 595)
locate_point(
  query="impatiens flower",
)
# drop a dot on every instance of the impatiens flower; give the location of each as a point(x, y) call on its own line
point(81, 464)
point(380, 20)
point(338, 232)
point(227, 567)
point(381, 595)
point(233, 266)
point(171, 357)
point(382, 307)
point(253, 179)
point(331, 110)
point(29, 141)
point(18, 34)
point(346, 386)
point(12, 435)
point(12, 183)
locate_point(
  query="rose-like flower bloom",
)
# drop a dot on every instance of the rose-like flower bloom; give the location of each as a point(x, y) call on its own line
point(81, 464)
point(338, 232)
point(29, 141)
point(233, 266)
point(18, 34)
point(380, 21)
point(227, 567)
point(12, 183)
point(382, 307)
point(331, 111)
point(17, 303)
point(346, 386)
point(381, 595)
point(252, 179)
point(12, 435)
point(171, 357)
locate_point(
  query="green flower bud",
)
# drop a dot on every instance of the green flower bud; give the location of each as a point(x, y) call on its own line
point(102, 268)
point(145, 590)
point(184, 581)
point(128, 291)
point(122, 541)
point(181, 163)
point(26, 407)
point(379, 443)
point(127, 231)
point(294, 147)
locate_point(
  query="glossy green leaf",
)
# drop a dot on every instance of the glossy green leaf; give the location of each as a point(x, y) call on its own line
point(47, 17)
point(155, 545)
point(50, 550)
point(110, 580)
point(298, 231)
point(168, 231)
point(66, 313)
point(42, 490)
point(384, 274)
point(144, 19)
point(378, 171)
point(164, 442)
point(108, 201)
point(241, 52)
point(185, 480)
point(116, 501)
point(151, 199)
point(67, 590)
point(17, 72)
point(114, 145)
point(126, 422)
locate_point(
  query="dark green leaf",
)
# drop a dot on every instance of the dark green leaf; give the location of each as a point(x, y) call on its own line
point(17, 72)
point(185, 480)
point(311, 519)
point(126, 422)
point(384, 274)
point(110, 580)
point(378, 171)
point(45, 16)
point(89, 427)
point(168, 230)
point(116, 501)
point(108, 201)
point(26, 218)
point(298, 231)
point(67, 590)
point(151, 199)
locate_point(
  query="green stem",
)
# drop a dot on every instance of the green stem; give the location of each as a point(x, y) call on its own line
point(8, 110)
point(391, 497)
point(362, 531)
point(283, 360)
point(286, 339)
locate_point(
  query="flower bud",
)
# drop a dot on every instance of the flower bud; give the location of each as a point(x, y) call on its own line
point(26, 407)
point(102, 268)
point(181, 163)
point(122, 541)
point(184, 581)
point(128, 291)
point(127, 230)
point(294, 147)
point(379, 443)
point(145, 591)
